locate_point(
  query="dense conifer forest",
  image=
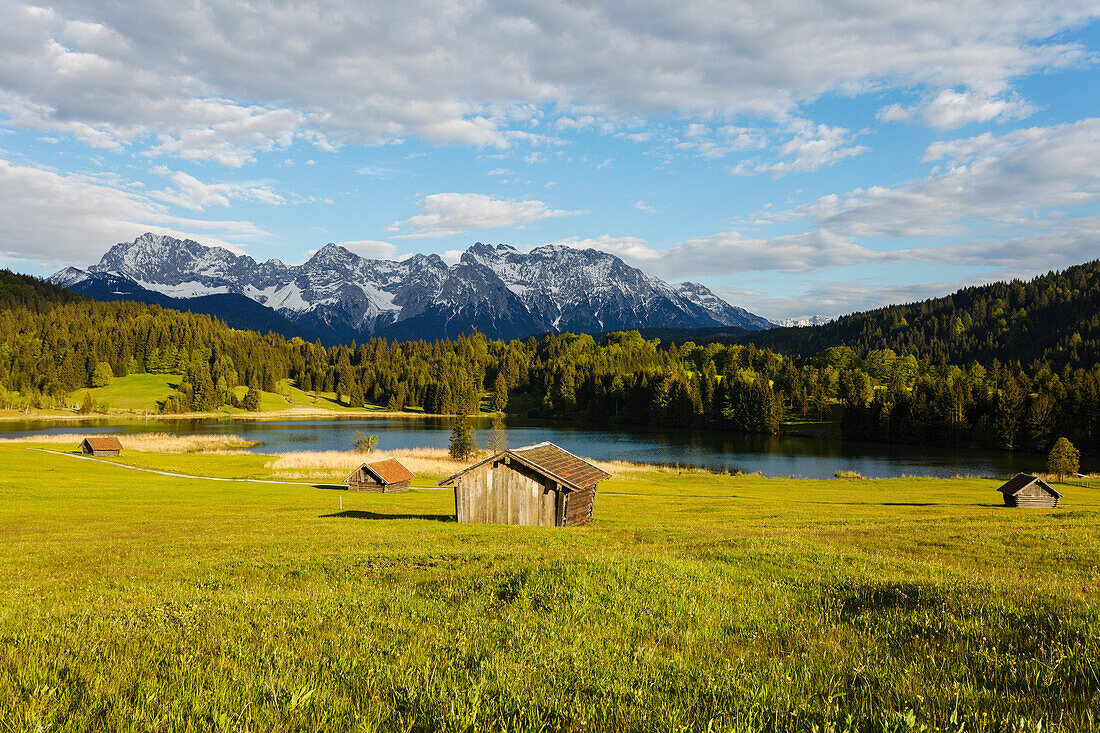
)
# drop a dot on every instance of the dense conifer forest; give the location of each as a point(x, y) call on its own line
point(53, 342)
point(1053, 318)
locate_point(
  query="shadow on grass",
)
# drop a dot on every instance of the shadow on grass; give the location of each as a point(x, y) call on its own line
point(331, 487)
point(359, 514)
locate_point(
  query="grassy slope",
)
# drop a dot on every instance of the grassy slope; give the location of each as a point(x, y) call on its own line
point(133, 601)
point(142, 392)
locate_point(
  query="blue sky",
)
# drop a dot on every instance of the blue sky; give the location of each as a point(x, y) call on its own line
point(799, 158)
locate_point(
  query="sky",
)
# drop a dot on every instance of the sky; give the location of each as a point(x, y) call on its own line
point(798, 158)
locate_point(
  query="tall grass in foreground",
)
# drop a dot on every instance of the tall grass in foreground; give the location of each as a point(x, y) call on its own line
point(148, 442)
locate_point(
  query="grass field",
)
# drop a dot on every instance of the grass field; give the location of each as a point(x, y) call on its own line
point(144, 392)
point(703, 602)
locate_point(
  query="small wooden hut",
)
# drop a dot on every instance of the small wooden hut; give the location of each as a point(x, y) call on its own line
point(386, 476)
point(538, 485)
point(1025, 490)
point(108, 446)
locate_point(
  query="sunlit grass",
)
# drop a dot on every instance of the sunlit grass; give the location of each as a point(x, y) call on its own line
point(694, 601)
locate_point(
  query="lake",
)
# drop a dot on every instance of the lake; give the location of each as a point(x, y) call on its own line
point(771, 456)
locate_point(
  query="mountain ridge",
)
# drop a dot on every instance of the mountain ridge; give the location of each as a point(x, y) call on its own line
point(497, 290)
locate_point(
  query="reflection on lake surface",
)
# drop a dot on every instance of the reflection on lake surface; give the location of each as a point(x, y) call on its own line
point(783, 456)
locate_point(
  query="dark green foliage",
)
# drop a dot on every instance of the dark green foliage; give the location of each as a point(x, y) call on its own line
point(1054, 319)
point(625, 379)
point(251, 400)
point(463, 445)
point(363, 443)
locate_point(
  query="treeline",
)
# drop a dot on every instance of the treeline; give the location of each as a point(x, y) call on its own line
point(1053, 319)
point(52, 343)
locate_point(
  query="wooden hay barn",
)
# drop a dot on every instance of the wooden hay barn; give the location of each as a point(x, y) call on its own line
point(538, 485)
point(108, 446)
point(386, 476)
point(1025, 490)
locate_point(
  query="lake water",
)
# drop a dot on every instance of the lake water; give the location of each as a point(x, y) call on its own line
point(785, 456)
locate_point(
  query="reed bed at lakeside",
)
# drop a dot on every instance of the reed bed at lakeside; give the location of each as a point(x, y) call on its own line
point(431, 461)
point(695, 601)
point(146, 442)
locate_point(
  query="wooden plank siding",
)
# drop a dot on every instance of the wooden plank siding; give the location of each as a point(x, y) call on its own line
point(495, 493)
point(1033, 497)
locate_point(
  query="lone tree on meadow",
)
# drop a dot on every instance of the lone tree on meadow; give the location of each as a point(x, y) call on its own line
point(1063, 459)
point(463, 444)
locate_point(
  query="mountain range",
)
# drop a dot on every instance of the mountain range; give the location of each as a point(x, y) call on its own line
point(338, 295)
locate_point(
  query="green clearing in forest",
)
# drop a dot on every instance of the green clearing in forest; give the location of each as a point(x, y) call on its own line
point(133, 601)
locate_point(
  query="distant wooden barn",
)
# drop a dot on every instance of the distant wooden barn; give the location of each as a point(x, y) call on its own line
point(1025, 490)
point(108, 446)
point(538, 485)
point(386, 476)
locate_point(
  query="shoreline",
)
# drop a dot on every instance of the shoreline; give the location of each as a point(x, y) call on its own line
point(292, 413)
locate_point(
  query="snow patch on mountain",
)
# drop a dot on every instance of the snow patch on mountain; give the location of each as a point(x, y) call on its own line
point(497, 290)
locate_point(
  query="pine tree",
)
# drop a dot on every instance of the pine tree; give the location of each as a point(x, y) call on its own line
point(462, 445)
point(500, 393)
point(251, 400)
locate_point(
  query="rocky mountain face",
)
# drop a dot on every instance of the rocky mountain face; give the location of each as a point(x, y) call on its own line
point(340, 296)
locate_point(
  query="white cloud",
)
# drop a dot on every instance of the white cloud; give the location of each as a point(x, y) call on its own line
point(191, 193)
point(445, 214)
point(951, 109)
point(643, 206)
point(811, 147)
point(996, 184)
point(71, 218)
point(231, 80)
point(371, 248)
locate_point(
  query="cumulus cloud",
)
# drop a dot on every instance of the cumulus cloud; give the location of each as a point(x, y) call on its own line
point(70, 218)
point(193, 194)
point(445, 214)
point(643, 206)
point(1017, 200)
point(223, 81)
point(951, 109)
point(811, 147)
point(996, 183)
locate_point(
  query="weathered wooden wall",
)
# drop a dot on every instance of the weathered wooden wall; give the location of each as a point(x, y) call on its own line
point(496, 493)
point(579, 506)
point(1032, 497)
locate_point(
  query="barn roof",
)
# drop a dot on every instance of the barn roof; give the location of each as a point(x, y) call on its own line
point(386, 470)
point(549, 460)
point(106, 443)
point(1021, 481)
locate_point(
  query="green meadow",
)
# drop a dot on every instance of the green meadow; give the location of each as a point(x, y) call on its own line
point(145, 392)
point(132, 601)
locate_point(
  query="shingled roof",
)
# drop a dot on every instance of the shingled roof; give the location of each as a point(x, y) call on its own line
point(386, 470)
point(108, 443)
point(1021, 481)
point(551, 461)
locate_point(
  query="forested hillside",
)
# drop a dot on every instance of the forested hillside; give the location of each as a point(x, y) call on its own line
point(1054, 318)
point(53, 342)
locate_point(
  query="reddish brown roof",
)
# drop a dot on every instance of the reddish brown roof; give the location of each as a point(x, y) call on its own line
point(389, 470)
point(108, 443)
point(549, 460)
point(1023, 480)
point(560, 463)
